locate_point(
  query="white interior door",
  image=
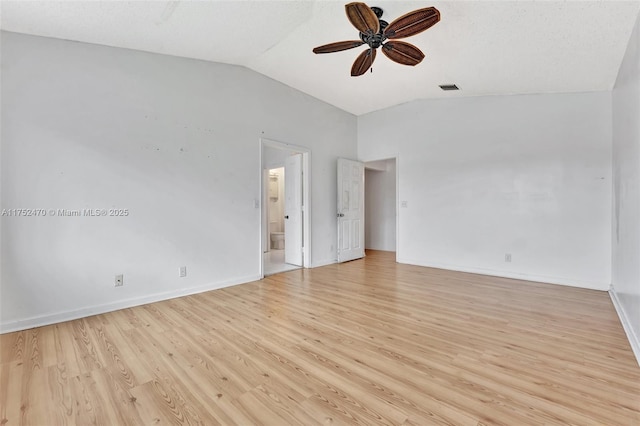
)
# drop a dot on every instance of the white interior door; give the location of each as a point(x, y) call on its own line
point(350, 210)
point(293, 210)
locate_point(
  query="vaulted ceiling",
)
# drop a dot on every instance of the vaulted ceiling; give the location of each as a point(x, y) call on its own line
point(486, 48)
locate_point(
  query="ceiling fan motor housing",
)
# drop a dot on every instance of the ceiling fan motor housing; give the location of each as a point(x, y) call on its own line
point(375, 40)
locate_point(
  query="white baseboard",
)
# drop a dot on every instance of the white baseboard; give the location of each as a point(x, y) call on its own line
point(634, 341)
point(591, 285)
point(53, 318)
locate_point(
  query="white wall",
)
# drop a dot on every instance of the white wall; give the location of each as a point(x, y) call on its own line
point(176, 142)
point(380, 207)
point(625, 289)
point(487, 176)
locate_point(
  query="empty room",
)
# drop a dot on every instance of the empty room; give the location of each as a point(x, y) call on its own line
point(320, 212)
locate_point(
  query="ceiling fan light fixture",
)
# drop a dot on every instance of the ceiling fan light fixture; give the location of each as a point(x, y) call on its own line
point(447, 87)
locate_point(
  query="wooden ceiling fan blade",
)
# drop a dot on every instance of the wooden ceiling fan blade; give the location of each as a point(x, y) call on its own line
point(402, 53)
point(363, 62)
point(363, 18)
point(412, 23)
point(338, 46)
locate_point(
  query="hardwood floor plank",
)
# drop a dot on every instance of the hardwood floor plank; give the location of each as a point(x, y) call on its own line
point(114, 402)
point(11, 408)
point(90, 357)
point(156, 405)
point(12, 347)
point(60, 392)
point(189, 384)
point(364, 342)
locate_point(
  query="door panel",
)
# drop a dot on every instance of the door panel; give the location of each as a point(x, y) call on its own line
point(350, 210)
point(293, 210)
point(346, 231)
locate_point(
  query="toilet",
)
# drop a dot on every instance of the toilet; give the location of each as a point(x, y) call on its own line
point(277, 240)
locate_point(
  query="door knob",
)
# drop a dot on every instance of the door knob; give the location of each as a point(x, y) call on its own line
point(286, 217)
point(340, 214)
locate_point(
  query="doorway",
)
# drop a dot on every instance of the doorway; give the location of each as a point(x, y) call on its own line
point(274, 259)
point(285, 231)
point(381, 204)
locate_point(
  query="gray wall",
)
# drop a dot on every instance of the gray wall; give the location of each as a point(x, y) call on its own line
point(626, 190)
point(484, 177)
point(176, 142)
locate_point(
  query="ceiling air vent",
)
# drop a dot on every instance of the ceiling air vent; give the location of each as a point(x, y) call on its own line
point(449, 87)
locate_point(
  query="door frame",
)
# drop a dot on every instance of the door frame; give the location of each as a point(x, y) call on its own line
point(306, 198)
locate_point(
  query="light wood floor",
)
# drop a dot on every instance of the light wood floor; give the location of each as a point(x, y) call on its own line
point(366, 342)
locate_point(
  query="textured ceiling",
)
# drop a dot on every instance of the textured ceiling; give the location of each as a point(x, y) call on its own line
point(486, 48)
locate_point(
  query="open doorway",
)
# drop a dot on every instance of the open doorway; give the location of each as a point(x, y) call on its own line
point(285, 232)
point(273, 258)
point(381, 205)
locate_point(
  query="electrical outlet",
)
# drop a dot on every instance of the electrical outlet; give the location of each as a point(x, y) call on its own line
point(183, 271)
point(507, 257)
point(119, 280)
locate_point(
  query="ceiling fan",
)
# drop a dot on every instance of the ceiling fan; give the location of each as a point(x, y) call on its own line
point(374, 32)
